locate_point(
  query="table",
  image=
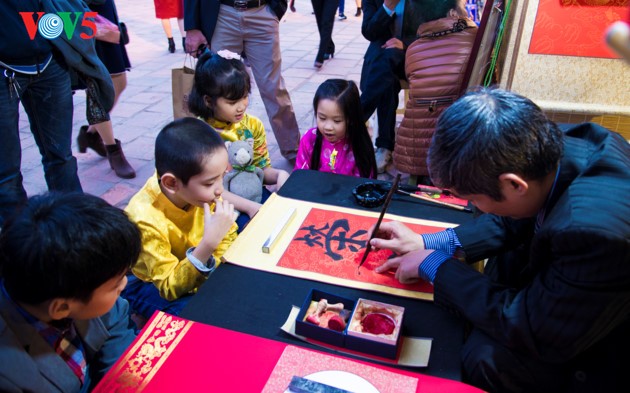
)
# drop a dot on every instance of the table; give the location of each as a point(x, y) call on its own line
point(175, 354)
point(258, 303)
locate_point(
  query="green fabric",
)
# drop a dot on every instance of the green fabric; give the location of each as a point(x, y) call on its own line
point(246, 168)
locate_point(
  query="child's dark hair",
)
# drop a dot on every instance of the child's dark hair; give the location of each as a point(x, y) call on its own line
point(489, 132)
point(65, 246)
point(346, 95)
point(182, 147)
point(217, 77)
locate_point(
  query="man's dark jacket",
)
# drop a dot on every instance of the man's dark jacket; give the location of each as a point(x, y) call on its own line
point(564, 295)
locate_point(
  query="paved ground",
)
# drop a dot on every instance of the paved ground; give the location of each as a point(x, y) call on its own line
point(145, 106)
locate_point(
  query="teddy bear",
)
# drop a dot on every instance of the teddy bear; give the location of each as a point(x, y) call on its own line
point(244, 179)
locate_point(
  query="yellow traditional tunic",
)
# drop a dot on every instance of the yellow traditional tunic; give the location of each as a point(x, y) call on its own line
point(167, 233)
point(249, 127)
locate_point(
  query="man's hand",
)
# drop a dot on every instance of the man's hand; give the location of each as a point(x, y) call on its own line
point(391, 43)
point(194, 39)
point(406, 266)
point(395, 236)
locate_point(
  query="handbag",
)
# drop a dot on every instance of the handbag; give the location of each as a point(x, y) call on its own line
point(122, 27)
point(182, 83)
point(106, 30)
point(124, 34)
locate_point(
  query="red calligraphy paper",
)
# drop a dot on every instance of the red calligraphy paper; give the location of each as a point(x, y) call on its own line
point(330, 244)
point(575, 27)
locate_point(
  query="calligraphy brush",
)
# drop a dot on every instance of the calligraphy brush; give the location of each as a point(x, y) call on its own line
point(388, 198)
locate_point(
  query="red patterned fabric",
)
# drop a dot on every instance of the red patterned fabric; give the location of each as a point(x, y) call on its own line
point(174, 354)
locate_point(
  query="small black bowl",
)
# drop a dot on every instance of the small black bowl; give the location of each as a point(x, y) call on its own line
point(370, 194)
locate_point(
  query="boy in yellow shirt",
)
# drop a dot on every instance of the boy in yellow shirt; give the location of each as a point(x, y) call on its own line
point(185, 225)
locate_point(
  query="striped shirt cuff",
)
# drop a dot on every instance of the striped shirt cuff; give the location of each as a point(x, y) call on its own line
point(446, 241)
point(203, 269)
point(428, 268)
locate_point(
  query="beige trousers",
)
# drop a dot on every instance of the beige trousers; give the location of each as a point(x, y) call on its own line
point(256, 32)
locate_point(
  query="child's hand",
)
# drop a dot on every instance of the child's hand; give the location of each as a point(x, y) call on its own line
point(282, 177)
point(252, 212)
point(217, 225)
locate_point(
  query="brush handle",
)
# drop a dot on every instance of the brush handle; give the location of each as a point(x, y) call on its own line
point(388, 198)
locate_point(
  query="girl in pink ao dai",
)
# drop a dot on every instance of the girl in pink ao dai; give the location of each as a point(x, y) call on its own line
point(340, 143)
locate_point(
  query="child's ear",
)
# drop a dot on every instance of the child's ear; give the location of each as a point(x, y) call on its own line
point(58, 308)
point(207, 101)
point(514, 183)
point(169, 182)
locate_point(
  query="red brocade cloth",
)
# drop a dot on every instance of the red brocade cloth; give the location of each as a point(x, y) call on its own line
point(174, 354)
point(166, 9)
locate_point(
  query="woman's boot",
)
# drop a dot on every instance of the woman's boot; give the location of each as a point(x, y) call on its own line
point(171, 45)
point(92, 140)
point(118, 162)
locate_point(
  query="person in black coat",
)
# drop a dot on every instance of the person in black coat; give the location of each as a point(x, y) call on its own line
point(390, 26)
point(551, 312)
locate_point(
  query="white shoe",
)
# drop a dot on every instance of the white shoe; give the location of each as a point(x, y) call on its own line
point(383, 157)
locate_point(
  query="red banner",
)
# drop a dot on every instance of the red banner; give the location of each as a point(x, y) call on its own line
point(575, 27)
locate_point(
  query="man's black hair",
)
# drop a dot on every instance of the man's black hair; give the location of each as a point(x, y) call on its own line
point(489, 132)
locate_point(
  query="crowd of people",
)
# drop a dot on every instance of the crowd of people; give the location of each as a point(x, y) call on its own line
point(550, 312)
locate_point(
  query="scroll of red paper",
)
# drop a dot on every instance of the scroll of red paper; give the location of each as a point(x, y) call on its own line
point(575, 27)
point(330, 244)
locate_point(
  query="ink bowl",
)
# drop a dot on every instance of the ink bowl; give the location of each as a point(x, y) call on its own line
point(370, 194)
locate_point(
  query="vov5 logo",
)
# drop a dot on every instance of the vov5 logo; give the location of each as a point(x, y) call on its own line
point(52, 25)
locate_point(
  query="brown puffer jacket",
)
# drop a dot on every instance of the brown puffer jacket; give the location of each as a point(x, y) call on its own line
point(434, 67)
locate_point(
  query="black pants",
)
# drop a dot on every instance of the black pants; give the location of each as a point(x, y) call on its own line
point(496, 368)
point(325, 16)
point(380, 85)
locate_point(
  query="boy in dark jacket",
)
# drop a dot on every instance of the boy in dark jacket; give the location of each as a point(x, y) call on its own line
point(64, 259)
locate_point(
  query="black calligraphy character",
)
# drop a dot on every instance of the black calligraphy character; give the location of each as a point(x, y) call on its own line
point(342, 240)
point(335, 233)
point(312, 238)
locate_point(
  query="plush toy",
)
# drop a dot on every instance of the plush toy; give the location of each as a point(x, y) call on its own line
point(244, 179)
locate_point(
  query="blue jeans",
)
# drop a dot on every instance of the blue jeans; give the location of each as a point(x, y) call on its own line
point(47, 100)
point(144, 298)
